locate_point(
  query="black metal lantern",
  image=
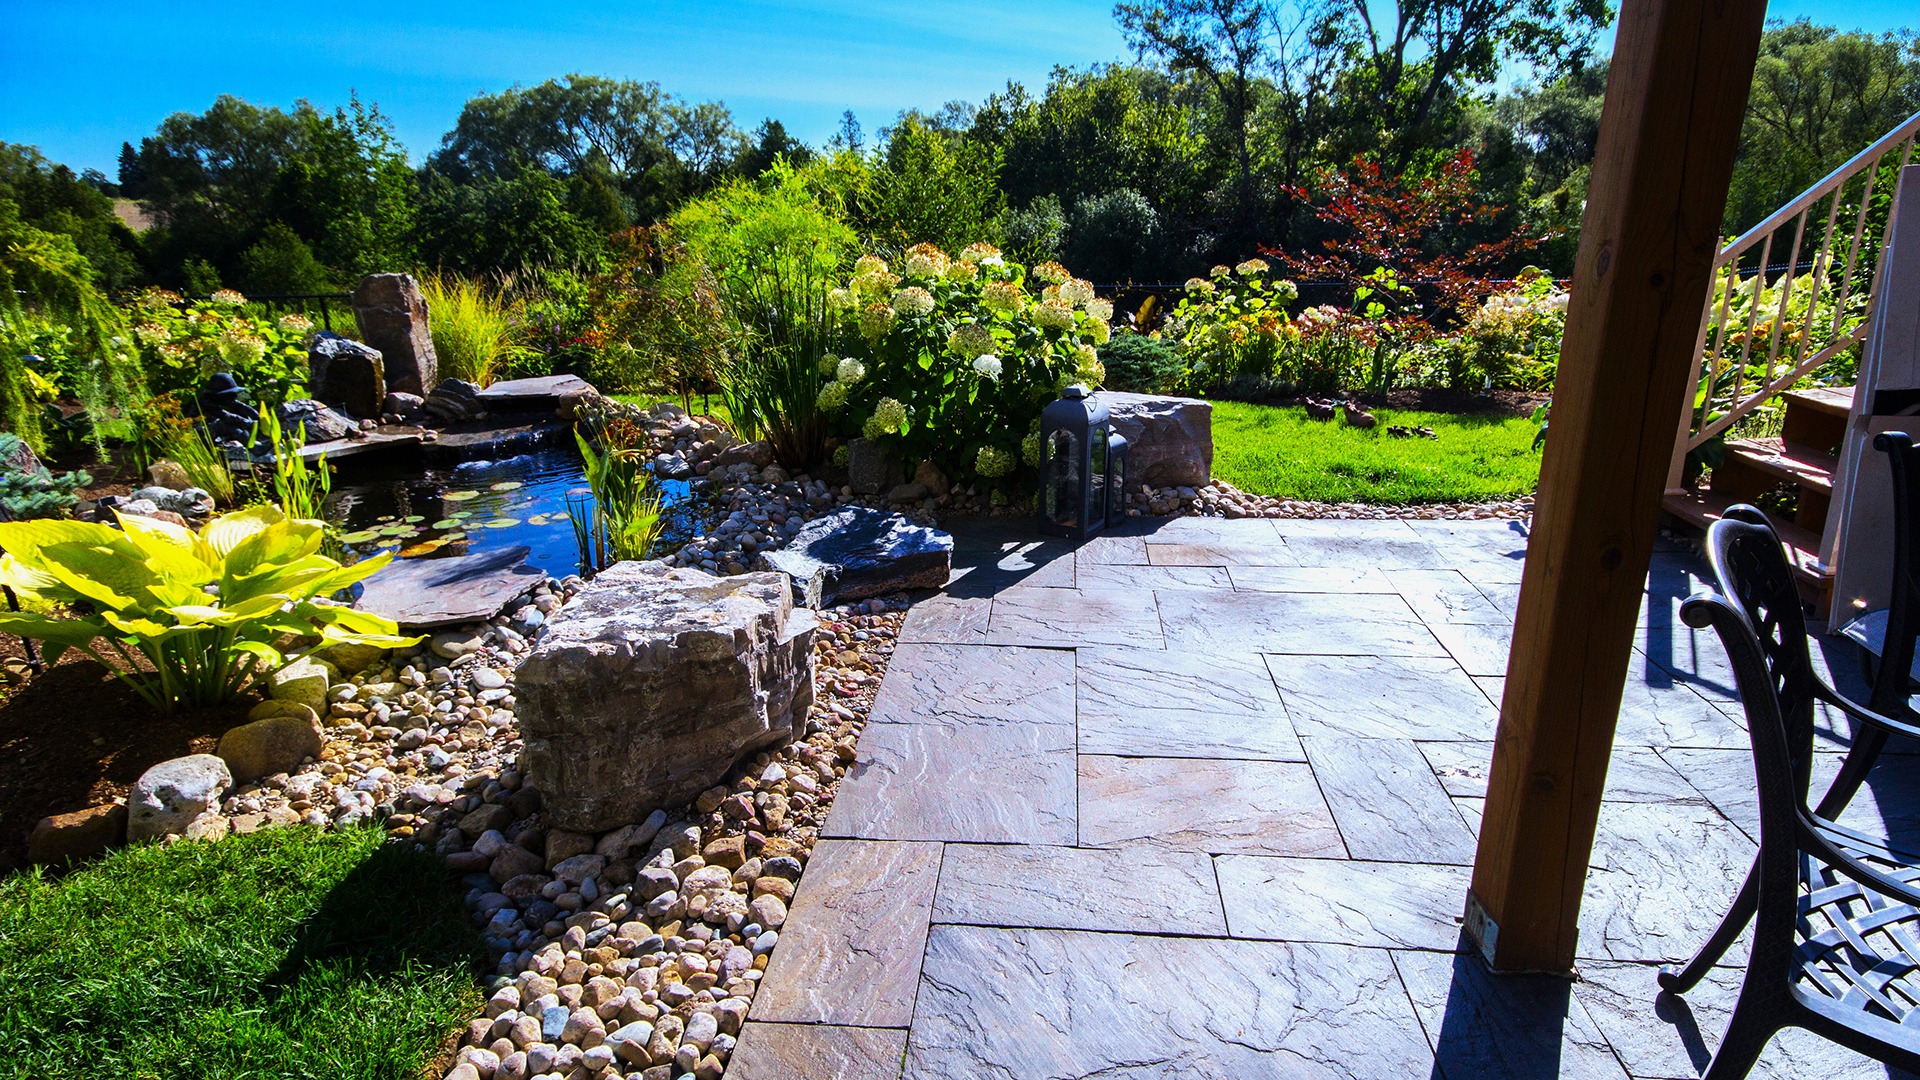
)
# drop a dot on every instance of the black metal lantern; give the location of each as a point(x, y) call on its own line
point(1082, 466)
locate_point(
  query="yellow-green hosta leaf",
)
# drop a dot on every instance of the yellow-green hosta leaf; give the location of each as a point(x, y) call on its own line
point(204, 615)
point(229, 531)
point(100, 575)
point(63, 632)
point(25, 539)
point(273, 657)
point(24, 579)
point(169, 550)
point(144, 629)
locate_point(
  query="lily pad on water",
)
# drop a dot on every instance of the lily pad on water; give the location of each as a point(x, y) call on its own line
point(460, 496)
point(413, 519)
point(500, 523)
point(506, 485)
point(361, 537)
point(453, 537)
point(461, 515)
point(400, 531)
point(447, 523)
point(425, 547)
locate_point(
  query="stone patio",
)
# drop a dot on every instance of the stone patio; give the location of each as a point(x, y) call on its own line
point(1201, 800)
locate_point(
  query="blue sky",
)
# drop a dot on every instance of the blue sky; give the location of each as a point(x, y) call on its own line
point(77, 79)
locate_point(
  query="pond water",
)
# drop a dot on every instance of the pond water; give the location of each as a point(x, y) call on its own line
point(435, 511)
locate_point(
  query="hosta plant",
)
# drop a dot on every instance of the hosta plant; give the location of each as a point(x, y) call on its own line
point(184, 619)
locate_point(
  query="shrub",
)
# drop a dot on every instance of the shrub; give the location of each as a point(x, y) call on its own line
point(474, 329)
point(1142, 364)
point(657, 321)
point(1233, 322)
point(183, 342)
point(1511, 340)
point(36, 493)
point(210, 613)
point(952, 360)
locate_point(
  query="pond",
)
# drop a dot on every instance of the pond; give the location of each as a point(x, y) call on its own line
point(435, 511)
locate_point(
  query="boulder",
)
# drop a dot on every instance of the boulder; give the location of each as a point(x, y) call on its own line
point(16, 456)
point(909, 493)
point(346, 374)
point(269, 745)
point(170, 796)
point(758, 454)
point(453, 401)
point(855, 552)
point(320, 422)
point(405, 406)
point(304, 681)
point(872, 468)
point(652, 683)
point(168, 474)
point(392, 316)
point(929, 476)
point(80, 835)
point(1169, 439)
point(190, 502)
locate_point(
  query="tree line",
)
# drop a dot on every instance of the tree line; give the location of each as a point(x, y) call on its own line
point(1212, 142)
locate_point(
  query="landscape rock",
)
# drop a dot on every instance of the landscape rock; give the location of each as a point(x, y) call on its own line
point(346, 374)
point(404, 407)
point(909, 493)
point(652, 683)
point(304, 681)
point(269, 745)
point(424, 593)
point(854, 553)
point(758, 454)
point(187, 502)
point(321, 422)
point(1169, 439)
point(76, 836)
point(872, 468)
point(929, 475)
point(170, 796)
point(392, 315)
point(453, 401)
point(167, 474)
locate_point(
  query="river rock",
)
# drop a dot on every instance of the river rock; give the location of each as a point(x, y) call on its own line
point(321, 423)
point(304, 681)
point(270, 745)
point(346, 374)
point(856, 552)
point(168, 797)
point(1169, 439)
point(392, 316)
point(187, 502)
point(76, 836)
point(652, 683)
point(758, 454)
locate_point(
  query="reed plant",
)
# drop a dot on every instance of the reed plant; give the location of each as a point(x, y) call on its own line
point(192, 447)
point(476, 335)
point(299, 488)
point(618, 518)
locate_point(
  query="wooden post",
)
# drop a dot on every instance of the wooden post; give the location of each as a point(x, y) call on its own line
point(1675, 99)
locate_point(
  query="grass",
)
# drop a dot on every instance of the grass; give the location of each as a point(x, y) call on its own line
point(284, 953)
point(1280, 452)
point(473, 329)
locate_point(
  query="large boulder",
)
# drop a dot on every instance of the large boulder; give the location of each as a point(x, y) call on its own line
point(652, 683)
point(76, 836)
point(855, 552)
point(321, 423)
point(392, 315)
point(170, 796)
point(1169, 439)
point(453, 401)
point(346, 374)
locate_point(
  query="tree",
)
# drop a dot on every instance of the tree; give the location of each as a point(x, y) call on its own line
point(494, 223)
point(771, 143)
point(933, 187)
point(1818, 98)
point(51, 198)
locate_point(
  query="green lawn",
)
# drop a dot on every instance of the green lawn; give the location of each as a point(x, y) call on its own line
point(1280, 452)
point(285, 953)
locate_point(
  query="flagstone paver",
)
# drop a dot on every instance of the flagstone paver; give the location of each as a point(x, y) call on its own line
point(1196, 799)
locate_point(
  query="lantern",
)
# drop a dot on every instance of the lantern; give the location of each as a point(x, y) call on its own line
point(1082, 466)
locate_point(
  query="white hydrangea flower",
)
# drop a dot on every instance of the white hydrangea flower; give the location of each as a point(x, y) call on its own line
point(926, 261)
point(1100, 309)
point(850, 371)
point(1001, 296)
point(889, 415)
point(1251, 267)
point(970, 340)
point(993, 462)
point(841, 299)
point(980, 253)
point(833, 397)
point(1054, 314)
point(1051, 272)
point(1077, 291)
point(988, 365)
point(1100, 332)
point(913, 301)
point(867, 263)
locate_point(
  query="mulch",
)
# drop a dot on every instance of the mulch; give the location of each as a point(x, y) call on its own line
point(76, 737)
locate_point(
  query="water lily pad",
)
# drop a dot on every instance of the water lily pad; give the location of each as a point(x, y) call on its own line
point(455, 537)
point(413, 519)
point(425, 547)
point(500, 523)
point(447, 523)
point(506, 485)
point(400, 531)
point(361, 537)
point(460, 515)
point(460, 496)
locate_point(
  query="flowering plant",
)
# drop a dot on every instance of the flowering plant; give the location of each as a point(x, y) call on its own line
point(1512, 339)
point(182, 342)
point(951, 359)
point(1232, 322)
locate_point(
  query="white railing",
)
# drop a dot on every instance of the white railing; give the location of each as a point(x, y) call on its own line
point(1770, 321)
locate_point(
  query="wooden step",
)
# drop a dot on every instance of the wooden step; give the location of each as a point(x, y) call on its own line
point(1703, 508)
point(1832, 400)
point(1803, 465)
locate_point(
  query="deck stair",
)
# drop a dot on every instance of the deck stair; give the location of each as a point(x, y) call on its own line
point(1806, 455)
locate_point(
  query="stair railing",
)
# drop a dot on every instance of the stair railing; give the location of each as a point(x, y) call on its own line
point(1768, 321)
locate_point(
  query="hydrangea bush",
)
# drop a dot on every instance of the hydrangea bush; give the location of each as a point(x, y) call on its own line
point(952, 359)
point(1510, 341)
point(182, 342)
point(1232, 322)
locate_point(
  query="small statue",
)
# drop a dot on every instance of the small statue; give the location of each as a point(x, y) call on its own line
point(1357, 416)
point(1319, 410)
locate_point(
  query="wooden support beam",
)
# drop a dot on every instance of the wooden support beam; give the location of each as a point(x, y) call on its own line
point(1676, 94)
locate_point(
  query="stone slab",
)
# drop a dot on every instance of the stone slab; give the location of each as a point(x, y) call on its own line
point(1660, 716)
point(1634, 773)
point(1446, 596)
point(1479, 648)
point(1154, 702)
point(1118, 576)
point(1320, 579)
point(1009, 783)
point(473, 442)
point(854, 553)
point(947, 620)
point(1383, 697)
point(1270, 552)
point(1387, 545)
point(1112, 550)
point(1375, 904)
point(976, 684)
point(1062, 1003)
point(1481, 1024)
point(423, 593)
point(1486, 551)
point(1244, 807)
point(538, 392)
point(1387, 803)
point(1137, 889)
point(1323, 624)
point(1065, 618)
point(1662, 876)
point(768, 1051)
point(850, 950)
